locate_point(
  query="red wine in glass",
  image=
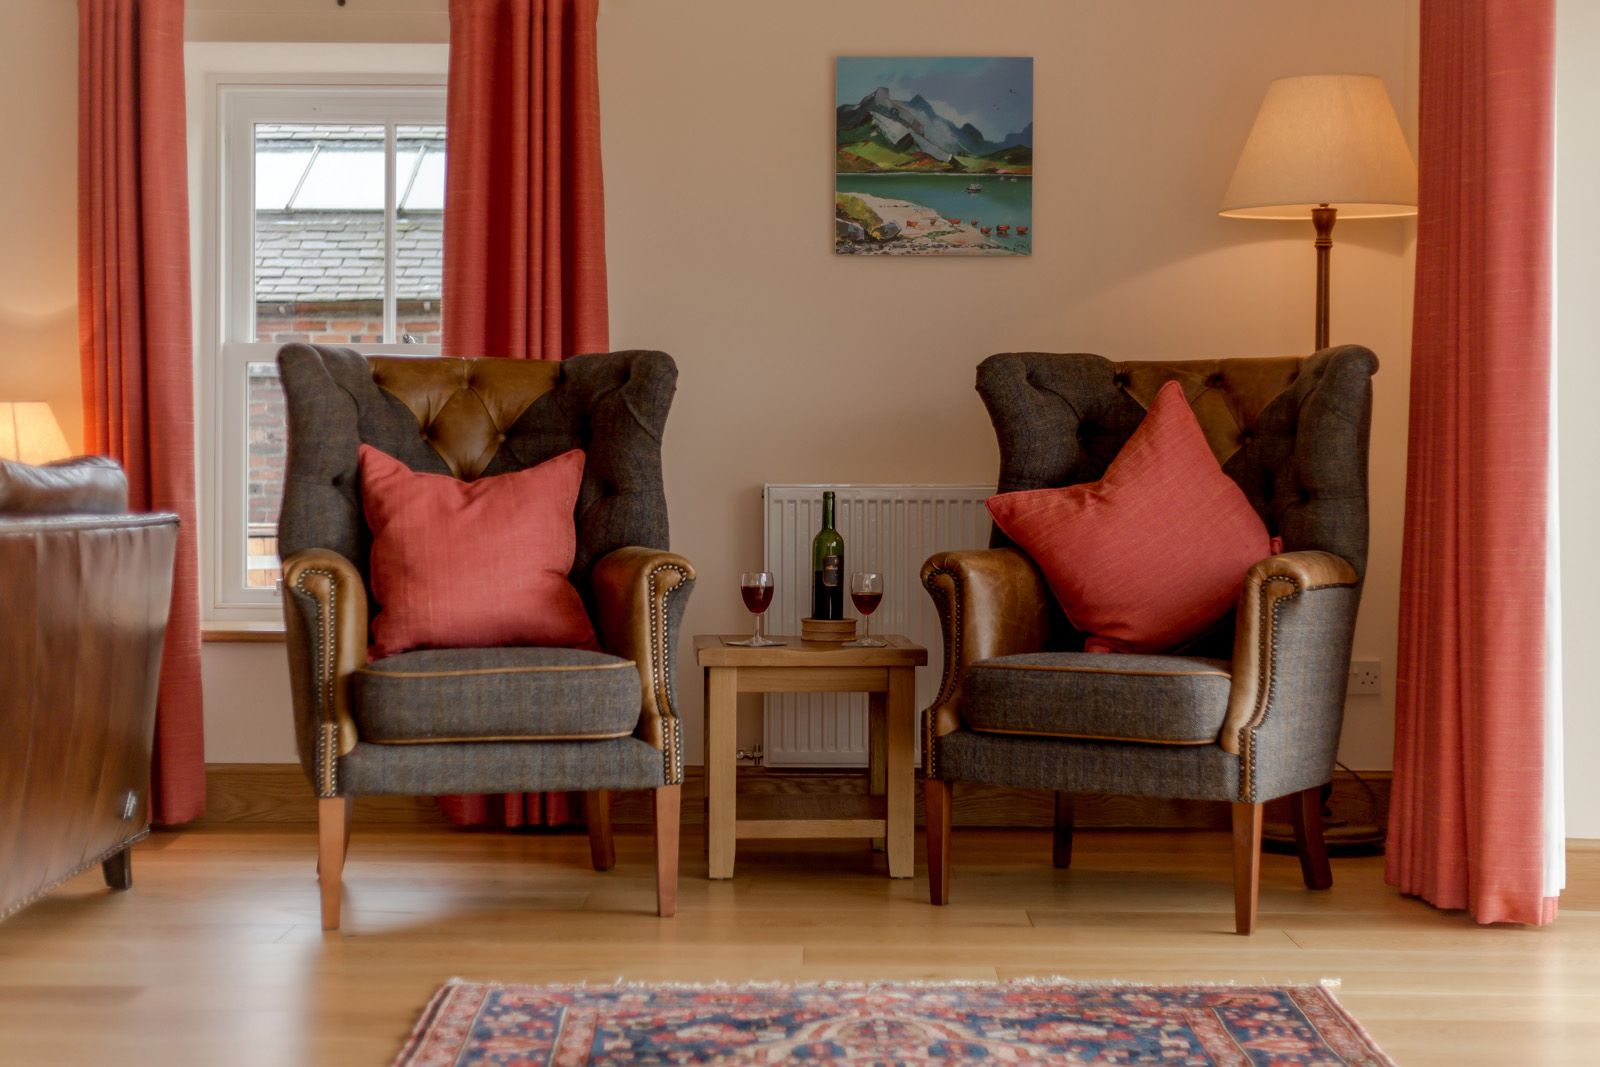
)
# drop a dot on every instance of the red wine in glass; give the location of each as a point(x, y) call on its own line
point(756, 587)
point(866, 591)
point(757, 598)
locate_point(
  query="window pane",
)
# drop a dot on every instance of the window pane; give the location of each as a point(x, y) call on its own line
point(319, 233)
point(419, 231)
point(266, 457)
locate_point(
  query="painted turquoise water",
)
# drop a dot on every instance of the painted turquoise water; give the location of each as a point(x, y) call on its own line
point(1006, 201)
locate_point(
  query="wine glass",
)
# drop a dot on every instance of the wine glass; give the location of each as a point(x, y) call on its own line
point(756, 588)
point(866, 592)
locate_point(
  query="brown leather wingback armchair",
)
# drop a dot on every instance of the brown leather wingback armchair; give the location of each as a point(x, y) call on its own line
point(1251, 713)
point(85, 589)
point(484, 720)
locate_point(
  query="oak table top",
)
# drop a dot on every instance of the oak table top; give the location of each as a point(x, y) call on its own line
point(714, 650)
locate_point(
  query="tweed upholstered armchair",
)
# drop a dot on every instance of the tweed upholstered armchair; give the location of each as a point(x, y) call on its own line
point(1250, 713)
point(484, 720)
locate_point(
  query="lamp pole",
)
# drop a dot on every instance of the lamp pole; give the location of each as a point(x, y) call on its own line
point(1323, 218)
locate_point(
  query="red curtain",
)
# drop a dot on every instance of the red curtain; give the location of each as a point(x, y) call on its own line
point(134, 325)
point(524, 224)
point(524, 213)
point(1467, 822)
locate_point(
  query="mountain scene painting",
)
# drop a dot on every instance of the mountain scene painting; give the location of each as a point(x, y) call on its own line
point(933, 156)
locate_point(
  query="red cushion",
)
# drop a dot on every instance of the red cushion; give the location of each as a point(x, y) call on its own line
point(1153, 554)
point(473, 564)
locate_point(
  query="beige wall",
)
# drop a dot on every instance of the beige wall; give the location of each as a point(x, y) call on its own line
point(386, 21)
point(798, 366)
point(38, 207)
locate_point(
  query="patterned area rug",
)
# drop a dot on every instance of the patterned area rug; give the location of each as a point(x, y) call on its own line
point(1042, 1022)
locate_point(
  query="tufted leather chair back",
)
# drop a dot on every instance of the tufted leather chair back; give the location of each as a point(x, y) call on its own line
point(473, 418)
point(1291, 431)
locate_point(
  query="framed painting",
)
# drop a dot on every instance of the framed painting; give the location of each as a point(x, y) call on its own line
point(933, 156)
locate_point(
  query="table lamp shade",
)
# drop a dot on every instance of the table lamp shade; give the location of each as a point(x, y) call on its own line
point(29, 432)
point(1324, 140)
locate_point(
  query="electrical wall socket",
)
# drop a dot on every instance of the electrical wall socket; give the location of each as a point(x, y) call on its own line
point(1365, 676)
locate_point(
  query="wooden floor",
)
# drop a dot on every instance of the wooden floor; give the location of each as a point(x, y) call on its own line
point(215, 956)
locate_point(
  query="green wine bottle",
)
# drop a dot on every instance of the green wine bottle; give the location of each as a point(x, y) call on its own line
point(827, 567)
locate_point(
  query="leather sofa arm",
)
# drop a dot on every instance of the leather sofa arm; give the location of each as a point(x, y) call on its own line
point(325, 616)
point(639, 597)
point(991, 602)
point(1291, 652)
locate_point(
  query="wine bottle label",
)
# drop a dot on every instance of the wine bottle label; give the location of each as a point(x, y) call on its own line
point(832, 570)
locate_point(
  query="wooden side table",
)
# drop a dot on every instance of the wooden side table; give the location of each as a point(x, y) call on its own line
point(886, 674)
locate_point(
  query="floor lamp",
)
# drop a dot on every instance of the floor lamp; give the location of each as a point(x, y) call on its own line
point(1324, 147)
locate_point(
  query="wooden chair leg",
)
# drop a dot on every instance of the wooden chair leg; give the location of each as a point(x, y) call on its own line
point(936, 800)
point(119, 870)
point(1246, 865)
point(669, 800)
point(332, 824)
point(597, 813)
point(1305, 812)
point(1061, 848)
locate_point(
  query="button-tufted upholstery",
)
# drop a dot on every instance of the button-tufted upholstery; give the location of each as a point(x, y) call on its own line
point(469, 720)
point(1021, 705)
point(465, 407)
point(470, 418)
point(1291, 431)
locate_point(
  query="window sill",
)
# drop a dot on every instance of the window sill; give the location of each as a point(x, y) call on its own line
point(242, 632)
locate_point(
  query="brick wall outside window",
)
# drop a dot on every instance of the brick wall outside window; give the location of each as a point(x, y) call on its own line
point(332, 323)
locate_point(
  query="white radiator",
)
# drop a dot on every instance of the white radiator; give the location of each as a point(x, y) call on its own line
point(891, 529)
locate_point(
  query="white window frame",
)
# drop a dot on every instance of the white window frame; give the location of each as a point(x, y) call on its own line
point(226, 325)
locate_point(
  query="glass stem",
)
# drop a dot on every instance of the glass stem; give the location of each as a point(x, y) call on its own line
point(759, 635)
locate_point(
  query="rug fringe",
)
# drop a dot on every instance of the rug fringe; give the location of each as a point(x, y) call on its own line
point(836, 985)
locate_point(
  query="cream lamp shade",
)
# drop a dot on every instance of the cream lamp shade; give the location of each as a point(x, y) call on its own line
point(29, 432)
point(1324, 140)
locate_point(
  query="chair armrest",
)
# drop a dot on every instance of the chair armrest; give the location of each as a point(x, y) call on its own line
point(1291, 662)
point(325, 618)
point(639, 597)
point(991, 602)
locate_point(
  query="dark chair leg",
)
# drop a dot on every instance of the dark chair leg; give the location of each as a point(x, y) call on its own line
point(597, 813)
point(1246, 865)
point(1305, 812)
point(669, 802)
point(936, 799)
point(1061, 849)
point(332, 826)
point(119, 870)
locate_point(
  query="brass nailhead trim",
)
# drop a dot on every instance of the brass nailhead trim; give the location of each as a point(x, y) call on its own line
point(660, 672)
point(328, 730)
point(952, 665)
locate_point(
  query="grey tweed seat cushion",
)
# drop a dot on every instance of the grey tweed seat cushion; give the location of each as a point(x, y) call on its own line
point(496, 694)
point(1171, 700)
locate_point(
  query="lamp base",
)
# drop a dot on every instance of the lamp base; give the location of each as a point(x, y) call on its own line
point(1342, 839)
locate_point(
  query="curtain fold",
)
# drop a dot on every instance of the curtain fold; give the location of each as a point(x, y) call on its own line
point(134, 323)
point(524, 225)
point(524, 213)
point(1468, 818)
